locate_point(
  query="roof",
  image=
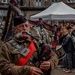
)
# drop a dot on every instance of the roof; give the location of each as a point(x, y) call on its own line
point(56, 10)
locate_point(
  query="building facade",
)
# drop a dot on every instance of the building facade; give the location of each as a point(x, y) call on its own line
point(31, 7)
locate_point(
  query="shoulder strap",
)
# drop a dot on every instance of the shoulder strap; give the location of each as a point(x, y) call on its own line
point(23, 51)
point(23, 60)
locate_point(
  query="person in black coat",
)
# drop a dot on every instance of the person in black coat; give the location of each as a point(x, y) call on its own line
point(67, 45)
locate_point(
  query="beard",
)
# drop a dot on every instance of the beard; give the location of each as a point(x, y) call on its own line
point(21, 36)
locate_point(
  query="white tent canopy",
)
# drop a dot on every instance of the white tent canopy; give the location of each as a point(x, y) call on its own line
point(57, 11)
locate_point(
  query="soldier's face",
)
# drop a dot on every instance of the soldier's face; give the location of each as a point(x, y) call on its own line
point(21, 30)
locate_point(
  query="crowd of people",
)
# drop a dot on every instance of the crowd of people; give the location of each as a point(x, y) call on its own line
point(65, 36)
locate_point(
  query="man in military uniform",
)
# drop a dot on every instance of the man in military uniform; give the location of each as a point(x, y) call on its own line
point(19, 55)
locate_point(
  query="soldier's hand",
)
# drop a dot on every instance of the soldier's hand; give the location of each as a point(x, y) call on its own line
point(45, 65)
point(35, 71)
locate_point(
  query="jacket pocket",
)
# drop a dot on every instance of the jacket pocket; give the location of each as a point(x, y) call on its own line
point(15, 56)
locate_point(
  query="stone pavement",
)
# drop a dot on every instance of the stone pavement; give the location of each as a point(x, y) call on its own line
point(59, 71)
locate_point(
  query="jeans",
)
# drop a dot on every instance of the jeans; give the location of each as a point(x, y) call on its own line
point(69, 57)
point(73, 60)
point(64, 62)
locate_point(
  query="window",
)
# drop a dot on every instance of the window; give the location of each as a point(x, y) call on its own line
point(38, 2)
point(3, 12)
point(71, 1)
point(4, 1)
point(55, 0)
